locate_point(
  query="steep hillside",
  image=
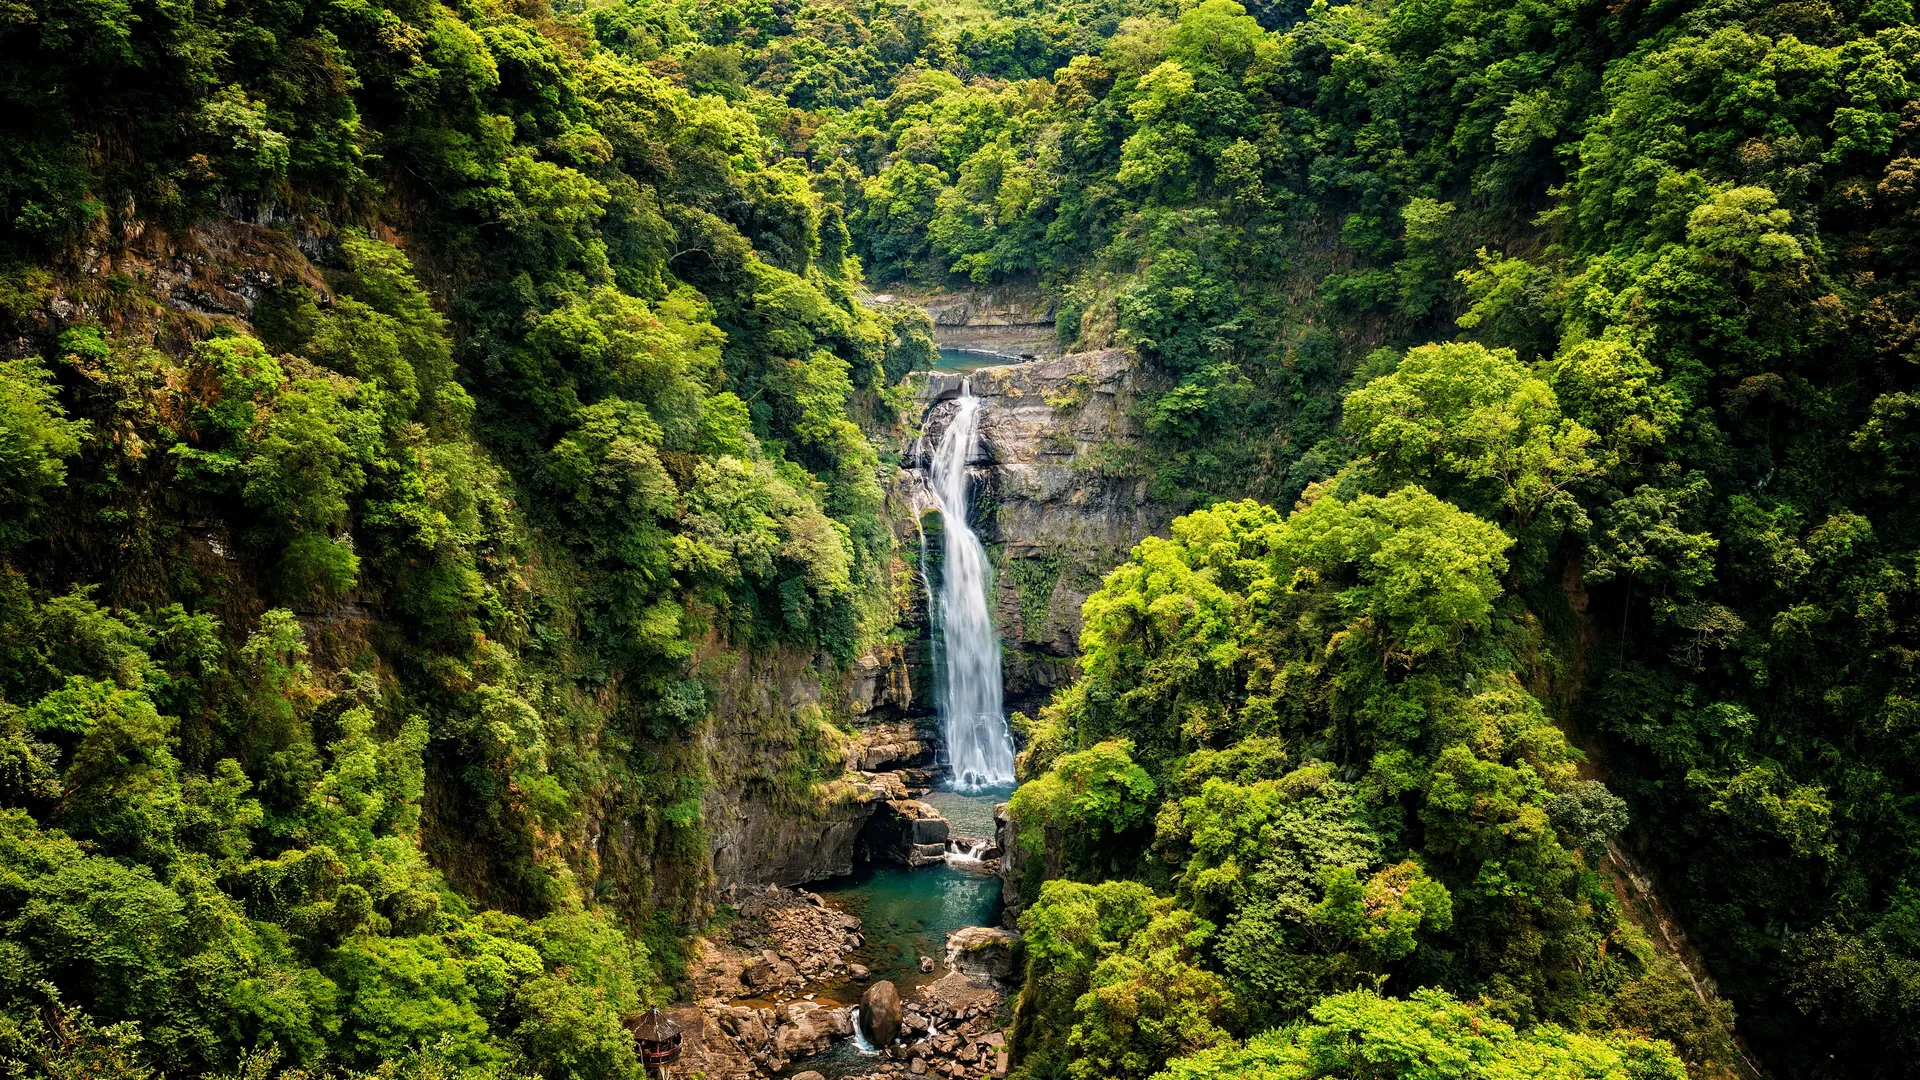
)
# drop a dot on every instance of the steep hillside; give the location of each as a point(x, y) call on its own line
point(443, 544)
point(452, 520)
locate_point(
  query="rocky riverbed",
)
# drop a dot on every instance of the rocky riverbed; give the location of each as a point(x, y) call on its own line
point(781, 985)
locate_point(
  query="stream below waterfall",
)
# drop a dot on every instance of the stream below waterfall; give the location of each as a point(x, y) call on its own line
point(906, 914)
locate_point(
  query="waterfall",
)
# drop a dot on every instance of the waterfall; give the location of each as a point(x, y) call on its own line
point(979, 746)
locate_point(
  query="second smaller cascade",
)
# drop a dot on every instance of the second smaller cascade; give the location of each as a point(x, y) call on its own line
point(971, 707)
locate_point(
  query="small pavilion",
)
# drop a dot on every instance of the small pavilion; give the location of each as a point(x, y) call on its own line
point(656, 1036)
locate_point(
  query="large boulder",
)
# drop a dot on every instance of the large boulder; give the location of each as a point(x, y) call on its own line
point(806, 1034)
point(880, 1013)
point(906, 831)
point(985, 952)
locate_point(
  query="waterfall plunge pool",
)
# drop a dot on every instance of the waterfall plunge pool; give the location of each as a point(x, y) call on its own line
point(906, 914)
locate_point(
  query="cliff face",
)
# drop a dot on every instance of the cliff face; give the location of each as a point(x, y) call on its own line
point(790, 763)
point(771, 712)
point(1059, 497)
point(797, 758)
point(1013, 320)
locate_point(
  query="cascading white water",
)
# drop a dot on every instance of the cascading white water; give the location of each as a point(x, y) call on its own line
point(979, 746)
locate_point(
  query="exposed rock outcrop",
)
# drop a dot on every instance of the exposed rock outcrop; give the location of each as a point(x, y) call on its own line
point(1011, 901)
point(709, 1044)
point(1012, 320)
point(985, 953)
point(893, 746)
point(906, 831)
point(879, 680)
point(770, 711)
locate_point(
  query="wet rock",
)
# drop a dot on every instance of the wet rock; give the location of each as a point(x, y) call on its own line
point(907, 832)
point(842, 1020)
point(803, 1036)
point(858, 972)
point(808, 1075)
point(880, 1013)
point(985, 952)
point(926, 964)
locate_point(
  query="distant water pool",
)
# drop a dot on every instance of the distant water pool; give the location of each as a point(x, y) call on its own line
point(968, 814)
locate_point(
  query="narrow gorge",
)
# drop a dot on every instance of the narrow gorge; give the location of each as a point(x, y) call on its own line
point(1011, 530)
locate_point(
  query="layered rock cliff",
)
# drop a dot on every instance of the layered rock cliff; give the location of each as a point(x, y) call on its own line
point(1012, 320)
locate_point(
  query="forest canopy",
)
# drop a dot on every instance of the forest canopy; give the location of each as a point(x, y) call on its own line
point(407, 411)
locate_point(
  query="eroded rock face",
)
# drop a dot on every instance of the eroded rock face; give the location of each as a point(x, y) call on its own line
point(880, 1013)
point(808, 1031)
point(985, 952)
point(892, 746)
point(766, 707)
point(1013, 320)
point(1011, 902)
point(877, 685)
point(707, 1046)
point(1059, 493)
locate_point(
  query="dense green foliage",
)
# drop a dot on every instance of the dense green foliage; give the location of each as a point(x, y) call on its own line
point(360, 600)
point(1336, 776)
point(1583, 335)
point(1428, 1036)
point(1670, 251)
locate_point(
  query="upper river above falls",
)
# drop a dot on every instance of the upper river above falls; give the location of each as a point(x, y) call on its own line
point(963, 361)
